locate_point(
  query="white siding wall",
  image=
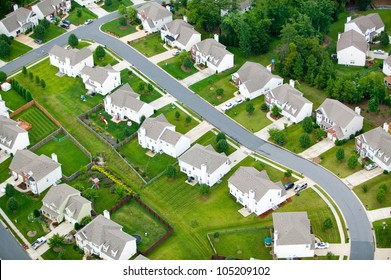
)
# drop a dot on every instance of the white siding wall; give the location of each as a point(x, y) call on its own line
point(272, 84)
point(293, 251)
point(387, 69)
point(355, 125)
point(47, 181)
point(351, 56)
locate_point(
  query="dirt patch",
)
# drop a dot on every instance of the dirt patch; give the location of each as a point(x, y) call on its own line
point(317, 160)
point(31, 233)
point(212, 88)
point(184, 69)
point(326, 41)
point(218, 97)
point(57, 249)
point(123, 27)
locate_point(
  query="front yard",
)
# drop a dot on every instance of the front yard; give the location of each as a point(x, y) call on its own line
point(17, 49)
point(368, 193)
point(115, 4)
point(181, 126)
point(108, 59)
point(5, 170)
point(149, 45)
point(174, 67)
point(383, 233)
point(68, 252)
point(85, 14)
point(12, 99)
point(209, 138)
point(117, 29)
point(52, 32)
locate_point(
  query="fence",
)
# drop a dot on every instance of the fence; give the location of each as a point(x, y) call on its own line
point(46, 139)
point(22, 108)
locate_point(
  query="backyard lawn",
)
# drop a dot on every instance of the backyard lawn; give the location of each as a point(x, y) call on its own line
point(85, 14)
point(149, 45)
point(12, 99)
point(174, 67)
point(42, 126)
point(383, 233)
point(115, 4)
point(115, 28)
point(254, 122)
point(313, 94)
point(52, 32)
point(69, 155)
point(340, 168)
point(180, 124)
point(108, 59)
point(209, 138)
point(368, 198)
point(4, 169)
point(17, 49)
point(137, 220)
point(68, 252)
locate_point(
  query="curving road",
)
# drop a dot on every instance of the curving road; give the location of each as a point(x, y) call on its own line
point(9, 247)
point(361, 238)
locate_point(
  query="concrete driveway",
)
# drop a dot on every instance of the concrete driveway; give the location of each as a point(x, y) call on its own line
point(63, 229)
point(279, 124)
point(379, 214)
point(162, 56)
point(318, 149)
point(361, 177)
point(196, 77)
point(93, 7)
point(379, 56)
point(198, 131)
point(24, 39)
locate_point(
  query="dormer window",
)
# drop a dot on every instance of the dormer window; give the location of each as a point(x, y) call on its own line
point(114, 253)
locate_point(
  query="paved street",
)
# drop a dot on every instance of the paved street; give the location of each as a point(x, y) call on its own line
point(9, 247)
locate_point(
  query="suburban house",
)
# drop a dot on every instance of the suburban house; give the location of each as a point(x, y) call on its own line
point(70, 61)
point(3, 108)
point(100, 80)
point(50, 8)
point(64, 202)
point(369, 26)
point(12, 137)
point(86, 2)
point(387, 81)
point(376, 145)
point(338, 119)
point(242, 7)
point(292, 235)
point(204, 164)
point(124, 104)
point(105, 238)
point(212, 54)
point(37, 172)
point(352, 48)
point(153, 16)
point(292, 103)
point(159, 136)
point(180, 34)
point(18, 21)
point(255, 80)
point(255, 191)
point(387, 66)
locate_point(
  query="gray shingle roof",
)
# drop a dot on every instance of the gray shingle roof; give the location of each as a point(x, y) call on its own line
point(75, 205)
point(388, 60)
point(181, 28)
point(57, 194)
point(124, 97)
point(154, 11)
point(368, 22)
point(16, 19)
point(255, 76)
point(352, 38)
point(215, 50)
point(98, 74)
point(46, 6)
point(379, 140)
point(102, 231)
point(74, 55)
point(198, 155)
point(244, 4)
point(339, 113)
point(249, 178)
point(292, 228)
point(9, 131)
point(28, 162)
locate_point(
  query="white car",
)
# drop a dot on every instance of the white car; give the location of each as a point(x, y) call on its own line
point(177, 52)
point(300, 186)
point(227, 106)
point(378, 52)
point(371, 166)
point(88, 21)
point(321, 245)
point(239, 100)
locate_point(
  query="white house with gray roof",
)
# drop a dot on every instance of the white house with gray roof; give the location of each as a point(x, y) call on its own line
point(338, 120)
point(294, 106)
point(352, 48)
point(18, 21)
point(159, 136)
point(70, 61)
point(37, 172)
point(64, 202)
point(387, 66)
point(51, 8)
point(153, 16)
point(255, 80)
point(3, 108)
point(204, 164)
point(255, 191)
point(368, 26)
point(124, 104)
point(100, 80)
point(12, 137)
point(292, 235)
point(106, 239)
point(241, 7)
point(376, 145)
point(180, 34)
point(213, 54)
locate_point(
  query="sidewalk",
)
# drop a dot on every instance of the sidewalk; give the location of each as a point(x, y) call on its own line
point(317, 149)
point(361, 177)
point(196, 77)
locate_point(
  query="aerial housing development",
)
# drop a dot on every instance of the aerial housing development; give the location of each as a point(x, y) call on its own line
point(195, 130)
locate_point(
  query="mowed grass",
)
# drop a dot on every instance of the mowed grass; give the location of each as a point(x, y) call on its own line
point(174, 67)
point(293, 133)
point(82, 44)
point(69, 155)
point(369, 198)
point(68, 252)
point(17, 49)
point(114, 27)
point(253, 122)
point(5, 170)
point(42, 126)
point(115, 4)
point(209, 138)
point(181, 126)
point(383, 233)
point(85, 14)
point(340, 168)
point(12, 99)
point(52, 32)
point(313, 94)
point(149, 45)
point(135, 219)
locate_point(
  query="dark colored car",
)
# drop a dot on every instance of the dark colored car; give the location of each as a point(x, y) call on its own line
point(289, 185)
point(67, 22)
point(66, 26)
point(38, 41)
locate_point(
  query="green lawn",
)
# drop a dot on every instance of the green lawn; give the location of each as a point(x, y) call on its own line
point(383, 233)
point(293, 133)
point(137, 220)
point(4, 169)
point(82, 44)
point(17, 49)
point(254, 122)
point(68, 252)
point(313, 94)
point(369, 198)
point(180, 124)
point(42, 126)
point(147, 166)
point(115, 4)
point(52, 32)
point(85, 14)
point(209, 138)
point(134, 81)
point(108, 59)
point(244, 244)
point(115, 28)
point(149, 45)
point(340, 168)
point(69, 155)
point(206, 88)
point(338, 26)
point(174, 67)
point(12, 99)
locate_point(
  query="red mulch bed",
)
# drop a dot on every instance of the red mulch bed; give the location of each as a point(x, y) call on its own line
point(264, 215)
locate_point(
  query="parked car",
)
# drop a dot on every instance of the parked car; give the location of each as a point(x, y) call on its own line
point(66, 26)
point(321, 245)
point(88, 21)
point(239, 100)
point(371, 166)
point(37, 243)
point(378, 52)
point(38, 41)
point(66, 22)
point(289, 185)
point(176, 52)
point(227, 106)
point(300, 186)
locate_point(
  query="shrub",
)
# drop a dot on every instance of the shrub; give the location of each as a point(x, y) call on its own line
point(122, 21)
point(364, 188)
point(307, 124)
point(327, 224)
point(352, 162)
point(177, 115)
point(219, 91)
point(171, 172)
point(108, 2)
point(37, 80)
point(385, 172)
point(275, 111)
point(220, 136)
point(381, 196)
point(79, 12)
point(288, 173)
point(250, 108)
point(9, 190)
point(305, 140)
point(264, 107)
point(278, 136)
point(36, 213)
point(383, 187)
point(340, 154)
point(100, 52)
point(12, 204)
point(216, 234)
point(204, 190)
point(43, 83)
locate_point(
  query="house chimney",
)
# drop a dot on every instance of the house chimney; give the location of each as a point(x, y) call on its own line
point(15, 6)
point(185, 18)
point(54, 157)
point(216, 37)
point(106, 214)
point(357, 110)
point(386, 127)
point(292, 83)
point(269, 67)
point(275, 235)
point(348, 19)
point(339, 35)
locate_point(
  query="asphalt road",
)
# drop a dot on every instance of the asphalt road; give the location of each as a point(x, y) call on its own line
point(361, 238)
point(9, 247)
